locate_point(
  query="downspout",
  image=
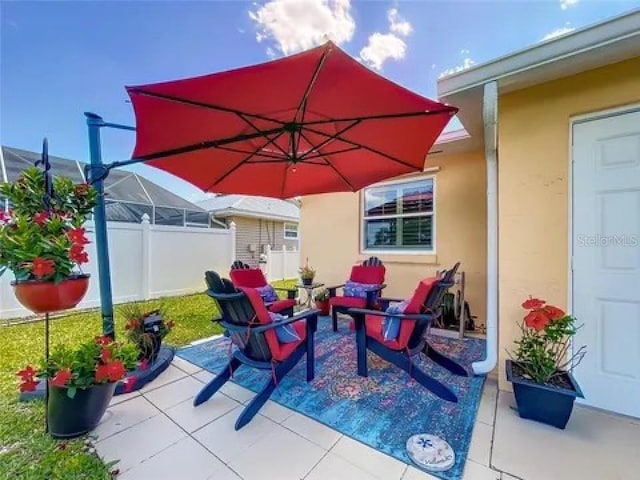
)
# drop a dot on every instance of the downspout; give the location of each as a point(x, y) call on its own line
point(490, 120)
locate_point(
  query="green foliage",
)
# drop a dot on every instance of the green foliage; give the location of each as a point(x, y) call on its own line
point(322, 295)
point(135, 314)
point(306, 272)
point(53, 238)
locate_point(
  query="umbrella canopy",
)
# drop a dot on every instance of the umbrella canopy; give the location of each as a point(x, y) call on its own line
point(314, 122)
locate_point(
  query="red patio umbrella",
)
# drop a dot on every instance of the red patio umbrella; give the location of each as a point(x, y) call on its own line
point(314, 122)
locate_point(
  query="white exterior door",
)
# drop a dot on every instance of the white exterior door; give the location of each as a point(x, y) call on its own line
point(606, 259)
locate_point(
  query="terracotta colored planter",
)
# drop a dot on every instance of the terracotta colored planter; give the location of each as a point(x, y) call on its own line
point(47, 297)
point(323, 306)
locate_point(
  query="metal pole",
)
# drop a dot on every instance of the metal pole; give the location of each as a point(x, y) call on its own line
point(94, 122)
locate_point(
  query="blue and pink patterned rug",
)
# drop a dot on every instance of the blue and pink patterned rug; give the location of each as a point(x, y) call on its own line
point(383, 410)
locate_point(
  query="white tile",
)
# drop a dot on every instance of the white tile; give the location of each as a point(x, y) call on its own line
point(224, 474)
point(300, 457)
point(475, 471)
point(413, 473)
point(124, 415)
point(174, 393)
point(487, 409)
point(124, 397)
point(221, 438)
point(490, 386)
point(130, 447)
point(238, 393)
point(192, 418)
point(171, 374)
point(506, 476)
point(185, 366)
point(480, 448)
point(203, 376)
point(185, 459)
point(368, 459)
point(334, 467)
point(311, 430)
point(594, 446)
point(275, 411)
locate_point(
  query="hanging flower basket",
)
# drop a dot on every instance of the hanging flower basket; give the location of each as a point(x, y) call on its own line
point(46, 296)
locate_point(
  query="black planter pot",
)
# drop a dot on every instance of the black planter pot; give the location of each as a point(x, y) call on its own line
point(307, 281)
point(151, 342)
point(72, 417)
point(543, 403)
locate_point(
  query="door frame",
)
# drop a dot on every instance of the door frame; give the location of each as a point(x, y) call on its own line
point(573, 121)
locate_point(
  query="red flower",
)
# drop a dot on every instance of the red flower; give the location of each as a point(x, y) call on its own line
point(41, 267)
point(105, 355)
point(41, 218)
point(132, 324)
point(536, 320)
point(102, 372)
point(77, 254)
point(27, 373)
point(533, 303)
point(28, 385)
point(76, 235)
point(554, 313)
point(104, 340)
point(116, 370)
point(61, 378)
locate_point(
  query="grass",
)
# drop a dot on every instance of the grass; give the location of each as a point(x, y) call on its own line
point(26, 451)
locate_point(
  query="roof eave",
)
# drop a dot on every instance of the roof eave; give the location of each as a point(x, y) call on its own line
point(235, 212)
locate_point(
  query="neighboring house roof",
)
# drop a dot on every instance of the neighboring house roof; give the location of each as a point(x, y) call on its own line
point(611, 41)
point(251, 207)
point(120, 185)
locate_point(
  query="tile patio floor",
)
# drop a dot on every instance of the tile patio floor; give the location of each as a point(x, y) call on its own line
point(157, 434)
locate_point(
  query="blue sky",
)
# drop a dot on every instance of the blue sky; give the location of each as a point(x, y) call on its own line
point(59, 59)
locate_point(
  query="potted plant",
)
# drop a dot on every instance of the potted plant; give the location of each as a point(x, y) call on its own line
point(146, 329)
point(43, 240)
point(322, 301)
point(540, 368)
point(81, 383)
point(307, 274)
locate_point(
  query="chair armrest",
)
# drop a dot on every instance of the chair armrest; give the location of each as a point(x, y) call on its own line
point(310, 315)
point(292, 293)
point(377, 288)
point(361, 312)
point(332, 289)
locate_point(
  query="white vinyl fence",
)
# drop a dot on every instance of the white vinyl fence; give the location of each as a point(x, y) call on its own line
point(147, 261)
point(281, 264)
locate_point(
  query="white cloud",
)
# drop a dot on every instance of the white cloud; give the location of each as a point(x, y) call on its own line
point(382, 47)
point(467, 62)
point(557, 32)
point(398, 24)
point(294, 25)
point(387, 46)
point(564, 4)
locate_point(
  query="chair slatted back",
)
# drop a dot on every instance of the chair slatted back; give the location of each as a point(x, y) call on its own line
point(237, 310)
point(433, 304)
point(240, 265)
point(372, 262)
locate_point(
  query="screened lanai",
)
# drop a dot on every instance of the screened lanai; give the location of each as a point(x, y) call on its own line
point(128, 196)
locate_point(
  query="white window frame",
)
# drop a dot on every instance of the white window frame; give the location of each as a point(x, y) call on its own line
point(284, 230)
point(398, 251)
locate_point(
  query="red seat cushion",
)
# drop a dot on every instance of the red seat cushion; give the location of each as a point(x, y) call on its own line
point(249, 278)
point(281, 305)
point(348, 302)
point(372, 275)
point(373, 328)
point(279, 351)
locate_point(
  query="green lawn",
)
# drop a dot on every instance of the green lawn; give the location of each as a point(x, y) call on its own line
point(26, 452)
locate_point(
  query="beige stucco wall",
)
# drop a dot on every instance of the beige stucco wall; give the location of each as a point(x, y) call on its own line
point(534, 186)
point(330, 233)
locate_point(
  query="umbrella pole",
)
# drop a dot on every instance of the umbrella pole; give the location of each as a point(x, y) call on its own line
point(96, 178)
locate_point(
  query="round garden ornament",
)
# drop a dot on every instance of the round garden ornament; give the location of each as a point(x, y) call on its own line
point(430, 452)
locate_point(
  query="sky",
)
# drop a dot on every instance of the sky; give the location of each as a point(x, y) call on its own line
point(60, 59)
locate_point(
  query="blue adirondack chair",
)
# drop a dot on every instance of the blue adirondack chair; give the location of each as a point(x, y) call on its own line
point(422, 309)
point(247, 323)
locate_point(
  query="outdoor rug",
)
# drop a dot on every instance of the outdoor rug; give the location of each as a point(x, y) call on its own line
point(382, 410)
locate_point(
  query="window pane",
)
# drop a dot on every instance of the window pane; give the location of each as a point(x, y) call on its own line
point(127, 212)
point(169, 216)
point(418, 197)
point(290, 230)
point(381, 233)
point(417, 232)
point(198, 217)
point(381, 201)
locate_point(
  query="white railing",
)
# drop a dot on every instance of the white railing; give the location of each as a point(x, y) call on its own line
point(147, 261)
point(281, 264)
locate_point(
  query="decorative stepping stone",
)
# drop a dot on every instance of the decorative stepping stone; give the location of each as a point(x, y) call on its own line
point(430, 452)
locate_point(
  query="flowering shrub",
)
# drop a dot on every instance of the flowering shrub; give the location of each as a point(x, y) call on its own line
point(44, 243)
point(543, 349)
point(93, 363)
point(134, 315)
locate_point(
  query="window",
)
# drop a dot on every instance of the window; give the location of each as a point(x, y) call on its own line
point(291, 231)
point(399, 217)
